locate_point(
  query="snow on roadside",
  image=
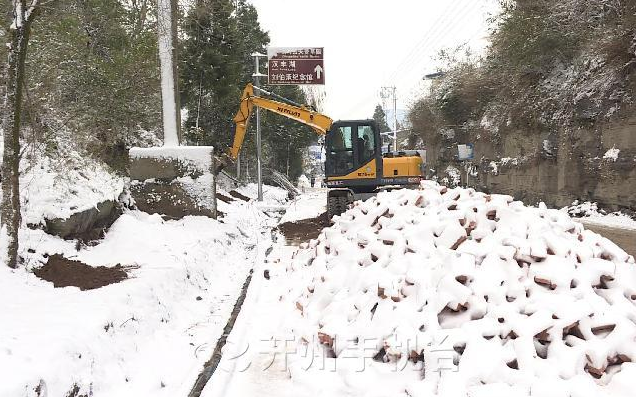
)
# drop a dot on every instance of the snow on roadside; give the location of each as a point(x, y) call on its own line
point(443, 292)
point(270, 193)
point(148, 335)
point(59, 188)
point(589, 213)
point(306, 206)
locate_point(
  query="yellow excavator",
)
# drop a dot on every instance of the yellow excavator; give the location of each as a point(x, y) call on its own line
point(355, 167)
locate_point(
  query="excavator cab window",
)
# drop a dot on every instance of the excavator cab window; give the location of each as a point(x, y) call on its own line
point(366, 144)
point(351, 145)
point(340, 150)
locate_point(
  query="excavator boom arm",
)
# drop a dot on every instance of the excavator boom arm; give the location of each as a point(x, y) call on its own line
point(303, 114)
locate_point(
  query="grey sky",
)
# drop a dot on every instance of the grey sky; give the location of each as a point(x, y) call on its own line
point(370, 44)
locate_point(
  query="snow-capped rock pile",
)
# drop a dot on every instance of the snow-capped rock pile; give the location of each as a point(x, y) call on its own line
point(477, 292)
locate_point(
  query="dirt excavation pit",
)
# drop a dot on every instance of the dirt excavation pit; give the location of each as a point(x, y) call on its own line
point(239, 196)
point(304, 229)
point(224, 198)
point(63, 272)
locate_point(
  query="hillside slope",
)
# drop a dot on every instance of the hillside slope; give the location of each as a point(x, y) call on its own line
point(549, 108)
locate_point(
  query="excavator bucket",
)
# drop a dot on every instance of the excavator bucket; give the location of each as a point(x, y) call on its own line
point(221, 162)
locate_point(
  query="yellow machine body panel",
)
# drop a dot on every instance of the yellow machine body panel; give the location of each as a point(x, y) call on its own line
point(401, 166)
point(367, 171)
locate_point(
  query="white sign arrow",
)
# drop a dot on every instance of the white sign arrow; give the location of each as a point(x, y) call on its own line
point(318, 69)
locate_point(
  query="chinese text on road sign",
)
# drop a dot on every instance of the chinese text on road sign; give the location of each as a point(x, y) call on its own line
point(290, 65)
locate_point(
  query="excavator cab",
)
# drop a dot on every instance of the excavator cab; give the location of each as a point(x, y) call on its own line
point(353, 166)
point(353, 153)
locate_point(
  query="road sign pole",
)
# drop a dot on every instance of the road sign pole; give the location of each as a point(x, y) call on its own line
point(238, 167)
point(257, 81)
point(467, 173)
point(259, 170)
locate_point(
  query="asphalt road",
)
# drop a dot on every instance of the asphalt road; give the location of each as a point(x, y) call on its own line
point(625, 238)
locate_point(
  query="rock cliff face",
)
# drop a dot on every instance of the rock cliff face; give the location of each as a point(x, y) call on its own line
point(594, 161)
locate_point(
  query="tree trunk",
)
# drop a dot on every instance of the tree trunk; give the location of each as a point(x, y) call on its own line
point(12, 109)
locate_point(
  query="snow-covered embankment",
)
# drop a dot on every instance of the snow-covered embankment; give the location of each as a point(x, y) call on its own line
point(147, 335)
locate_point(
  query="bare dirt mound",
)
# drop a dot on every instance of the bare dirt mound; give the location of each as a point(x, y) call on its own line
point(64, 272)
point(239, 196)
point(224, 198)
point(304, 229)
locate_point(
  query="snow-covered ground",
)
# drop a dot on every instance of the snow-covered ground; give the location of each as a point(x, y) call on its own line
point(588, 213)
point(445, 292)
point(308, 205)
point(435, 291)
point(58, 188)
point(249, 351)
point(147, 335)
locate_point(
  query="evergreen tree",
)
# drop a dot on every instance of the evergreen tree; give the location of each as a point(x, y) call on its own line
point(210, 71)
point(380, 117)
point(217, 63)
point(254, 39)
point(287, 140)
point(92, 74)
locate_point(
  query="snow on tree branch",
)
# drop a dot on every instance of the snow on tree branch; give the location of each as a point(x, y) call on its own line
point(21, 15)
point(29, 12)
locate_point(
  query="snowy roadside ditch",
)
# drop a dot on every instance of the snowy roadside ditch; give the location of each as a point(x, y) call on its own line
point(438, 291)
point(148, 333)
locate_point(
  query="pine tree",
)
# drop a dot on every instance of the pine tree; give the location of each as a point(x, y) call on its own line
point(210, 70)
point(380, 117)
point(287, 139)
point(217, 64)
point(91, 74)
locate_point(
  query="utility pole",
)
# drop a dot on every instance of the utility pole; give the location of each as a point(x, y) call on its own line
point(391, 92)
point(257, 82)
point(167, 38)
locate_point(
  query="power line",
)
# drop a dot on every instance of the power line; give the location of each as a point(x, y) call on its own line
point(447, 12)
point(423, 49)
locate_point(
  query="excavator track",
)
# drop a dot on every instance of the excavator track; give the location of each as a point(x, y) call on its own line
point(338, 201)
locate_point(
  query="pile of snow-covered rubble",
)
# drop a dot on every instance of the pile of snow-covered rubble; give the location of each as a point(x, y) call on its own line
point(453, 292)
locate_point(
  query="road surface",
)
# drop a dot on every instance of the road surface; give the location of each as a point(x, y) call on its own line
point(625, 238)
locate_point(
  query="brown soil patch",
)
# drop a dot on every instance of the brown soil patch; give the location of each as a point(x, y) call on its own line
point(64, 272)
point(304, 229)
point(224, 198)
point(239, 196)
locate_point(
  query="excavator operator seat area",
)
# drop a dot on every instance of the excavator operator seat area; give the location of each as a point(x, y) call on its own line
point(340, 150)
point(350, 145)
